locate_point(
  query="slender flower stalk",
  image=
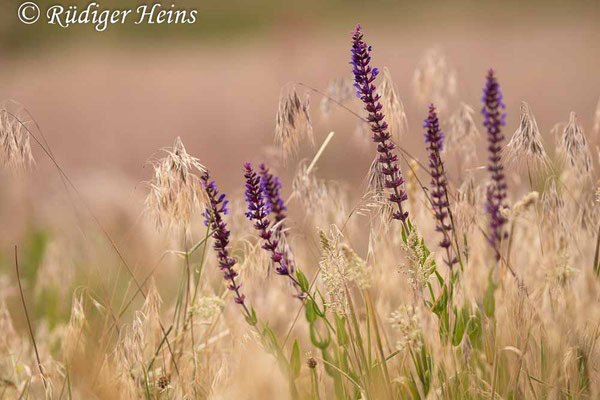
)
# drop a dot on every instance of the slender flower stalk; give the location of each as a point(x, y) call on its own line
point(364, 76)
point(258, 211)
point(494, 119)
point(213, 217)
point(434, 138)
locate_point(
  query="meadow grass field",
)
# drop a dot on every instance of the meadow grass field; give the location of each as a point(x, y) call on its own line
point(465, 265)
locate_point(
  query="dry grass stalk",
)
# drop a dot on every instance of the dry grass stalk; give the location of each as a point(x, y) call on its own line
point(339, 89)
point(433, 80)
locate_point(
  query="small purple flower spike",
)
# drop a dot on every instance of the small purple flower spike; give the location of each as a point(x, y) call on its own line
point(270, 187)
point(213, 217)
point(434, 138)
point(364, 76)
point(494, 119)
point(258, 212)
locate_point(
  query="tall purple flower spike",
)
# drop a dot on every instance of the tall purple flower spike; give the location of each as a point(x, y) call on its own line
point(434, 138)
point(494, 119)
point(213, 217)
point(258, 212)
point(364, 76)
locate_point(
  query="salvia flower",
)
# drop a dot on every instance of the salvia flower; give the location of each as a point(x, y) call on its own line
point(270, 187)
point(258, 212)
point(434, 138)
point(213, 217)
point(494, 119)
point(364, 75)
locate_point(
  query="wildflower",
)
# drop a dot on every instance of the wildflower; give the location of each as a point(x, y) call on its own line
point(15, 149)
point(494, 119)
point(213, 217)
point(364, 76)
point(525, 146)
point(311, 363)
point(258, 212)
point(270, 187)
point(574, 147)
point(175, 189)
point(434, 138)
point(292, 123)
point(392, 106)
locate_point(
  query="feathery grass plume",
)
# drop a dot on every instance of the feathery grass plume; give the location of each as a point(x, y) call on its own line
point(553, 203)
point(392, 106)
point(205, 308)
point(465, 206)
point(406, 321)
point(258, 212)
point(15, 149)
point(463, 134)
point(419, 265)
point(357, 269)
point(213, 217)
point(311, 191)
point(433, 80)
point(573, 145)
point(339, 89)
point(364, 76)
point(596, 128)
point(175, 189)
point(292, 123)
point(333, 270)
point(434, 139)
point(494, 119)
point(525, 147)
point(525, 203)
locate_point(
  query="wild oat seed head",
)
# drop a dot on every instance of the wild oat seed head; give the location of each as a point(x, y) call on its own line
point(525, 147)
point(339, 89)
point(15, 148)
point(529, 200)
point(433, 80)
point(463, 132)
point(292, 123)
point(393, 107)
point(573, 145)
point(357, 269)
point(175, 190)
point(596, 128)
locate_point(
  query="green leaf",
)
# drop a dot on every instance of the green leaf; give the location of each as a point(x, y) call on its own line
point(304, 284)
point(460, 325)
point(251, 319)
point(342, 335)
point(489, 301)
point(309, 311)
point(295, 360)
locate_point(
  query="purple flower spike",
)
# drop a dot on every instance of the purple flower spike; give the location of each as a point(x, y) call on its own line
point(258, 212)
point(434, 138)
point(364, 76)
point(494, 119)
point(213, 217)
point(270, 187)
